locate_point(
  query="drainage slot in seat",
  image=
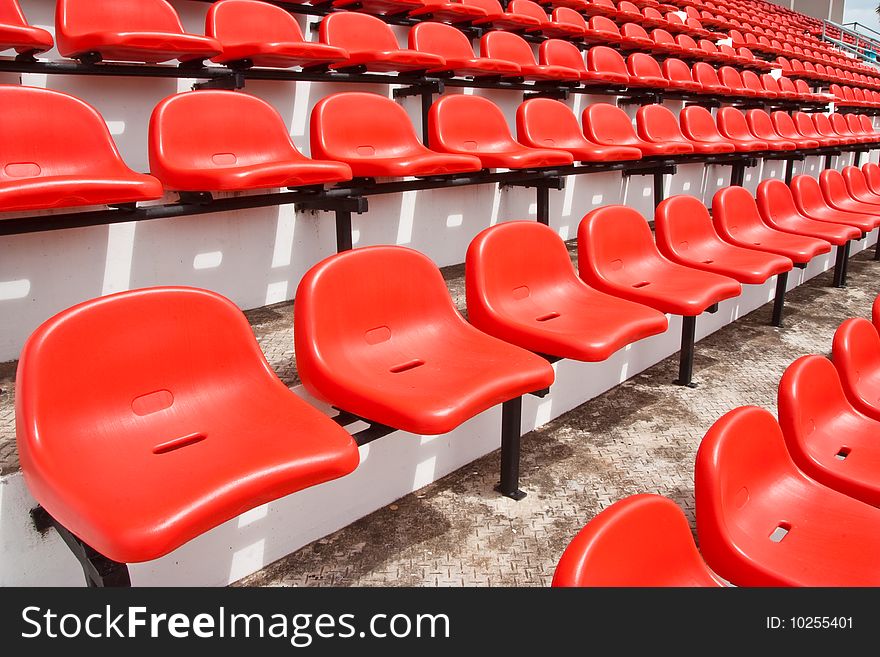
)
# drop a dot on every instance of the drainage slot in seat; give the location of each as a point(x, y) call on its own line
point(547, 317)
point(780, 532)
point(642, 284)
point(179, 443)
point(405, 367)
point(842, 453)
point(708, 262)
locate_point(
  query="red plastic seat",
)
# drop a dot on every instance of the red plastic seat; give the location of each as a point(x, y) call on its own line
point(386, 145)
point(198, 143)
point(370, 43)
point(770, 84)
point(784, 126)
point(657, 123)
point(497, 18)
point(834, 190)
point(16, 32)
point(454, 47)
point(602, 30)
point(156, 444)
point(872, 176)
point(812, 203)
point(711, 53)
point(568, 16)
point(762, 127)
point(857, 128)
point(856, 354)
point(679, 75)
point(556, 52)
point(634, 37)
point(599, 8)
point(610, 126)
point(841, 127)
point(605, 63)
point(446, 12)
point(807, 128)
point(264, 35)
point(665, 43)
point(644, 71)
point(752, 81)
point(778, 210)
point(827, 438)
point(733, 126)
point(127, 30)
point(824, 128)
point(473, 125)
point(688, 45)
point(376, 7)
point(546, 123)
point(642, 540)
point(57, 152)
point(737, 220)
point(762, 522)
point(698, 125)
point(868, 125)
point(707, 76)
point(685, 235)
point(404, 356)
point(731, 78)
point(617, 255)
point(546, 26)
point(512, 48)
point(523, 289)
point(857, 186)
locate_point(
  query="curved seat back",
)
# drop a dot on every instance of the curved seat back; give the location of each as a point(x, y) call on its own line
point(507, 46)
point(856, 184)
point(705, 74)
point(775, 201)
point(734, 211)
point(872, 176)
point(760, 125)
point(558, 52)
point(460, 123)
point(642, 65)
point(732, 123)
point(608, 124)
point(752, 81)
point(833, 188)
point(602, 59)
point(568, 16)
point(440, 39)
point(808, 195)
point(682, 225)
point(856, 354)
point(805, 125)
point(357, 33)
point(697, 123)
point(784, 125)
point(236, 22)
point(547, 123)
point(676, 70)
point(657, 123)
point(731, 78)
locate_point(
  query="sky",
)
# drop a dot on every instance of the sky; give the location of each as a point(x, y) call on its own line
point(862, 11)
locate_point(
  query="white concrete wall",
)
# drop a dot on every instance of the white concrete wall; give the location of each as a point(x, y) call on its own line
point(256, 257)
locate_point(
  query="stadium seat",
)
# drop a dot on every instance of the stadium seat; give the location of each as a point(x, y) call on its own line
point(868, 125)
point(689, 47)
point(858, 128)
point(609, 125)
point(617, 255)
point(771, 85)
point(841, 127)
point(386, 145)
point(811, 203)
point(147, 31)
point(824, 128)
point(857, 186)
point(872, 176)
point(57, 152)
point(377, 7)
point(665, 43)
point(778, 210)
point(498, 19)
point(731, 78)
point(156, 445)
point(752, 81)
point(657, 123)
point(522, 288)
point(264, 35)
point(598, 8)
point(454, 47)
point(738, 221)
point(16, 32)
point(547, 27)
point(634, 37)
point(199, 143)
point(473, 125)
point(762, 522)
point(644, 71)
point(807, 128)
point(445, 12)
point(559, 53)
point(856, 355)
point(707, 76)
point(834, 190)
point(733, 127)
point(685, 235)
point(679, 75)
point(642, 540)
point(602, 30)
point(784, 126)
point(761, 126)
point(386, 361)
point(568, 16)
point(546, 123)
point(827, 438)
point(698, 125)
point(370, 43)
point(605, 63)
point(512, 48)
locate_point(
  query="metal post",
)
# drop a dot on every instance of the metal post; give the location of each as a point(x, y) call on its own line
point(877, 248)
point(343, 231)
point(658, 188)
point(511, 433)
point(427, 97)
point(686, 358)
point(828, 160)
point(543, 212)
point(840, 264)
point(789, 171)
point(738, 174)
point(858, 161)
point(779, 299)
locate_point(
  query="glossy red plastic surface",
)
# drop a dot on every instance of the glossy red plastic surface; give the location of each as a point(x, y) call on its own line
point(473, 125)
point(856, 353)
point(375, 7)
point(827, 438)
point(841, 127)
point(546, 27)
point(684, 233)
point(698, 125)
point(454, 47)
point(812, 203)
point(128, 30)
point(617, 255)
point(198, 142)
point(733, 127)
point(634, 36)
point(546, 123)
point(522, 288)
point(56, 152)
point(386, 145)
point(556, 52)
point(177, 424)
point(16, 32)
point(610, 126)
point(499, 19)
point(657, 123)
point(778, 210)
point(679, 75)
point(706, 75)
point(731, 78)
point(872, 176)
point(824, 128)
point(370, 42)
point(264, 34)
point(737, 220)
point(748, 490)
point(857, 186)
point(447, 12)
point(401, 354)
point(762, 127)
point(807, 128)
point(607, 64)
point(512, 48)
point(642, 540)
point(644, 71)
point(834, 190)
point(785, 128)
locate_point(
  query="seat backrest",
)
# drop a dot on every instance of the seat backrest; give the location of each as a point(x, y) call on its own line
point(468, 123)
point(335, 133)
point(634, 31)
point(867, 124)
point(833, 186)
point(387, 291)
point(568, 16)
point(234, 22)
point(11, 13)
point(642, 65)
point(730, 77)
point(734, 211)
point(697, 123)
point(528, 8)
point(839, 124)
point(603, 24)
point(642, 540)
point(705, 74)
point(727, 50)
point(657, 123)
point(681, 224)
point(775, 201)
point(75, 17)
point(872, 176)
point(507, 46)
point(760, 124)
point(855, 351)
point(769, 83)
point(676, 70)
point(837, 90)
point(786, 85)
point(823, 125)
point(805, 124)
point(784, 64)
point(357, 32)
point(673, 19)
point(732, 123)
point(855, 181)
point(752, 81)
point(491, 7)
point(49, 133)
point(686, 41)
point(547, 123)
point(661, 36)
point(708, 47)
point(807, 194)
point(651, 12)
point(608, 124)
point(614, 246)
point(203, 129)
point(627, 7)
point(440, 39)
point(557, 52)
point(602, 59)
point(801, 87)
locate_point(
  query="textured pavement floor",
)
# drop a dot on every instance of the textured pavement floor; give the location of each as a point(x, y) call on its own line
point(641, 436)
